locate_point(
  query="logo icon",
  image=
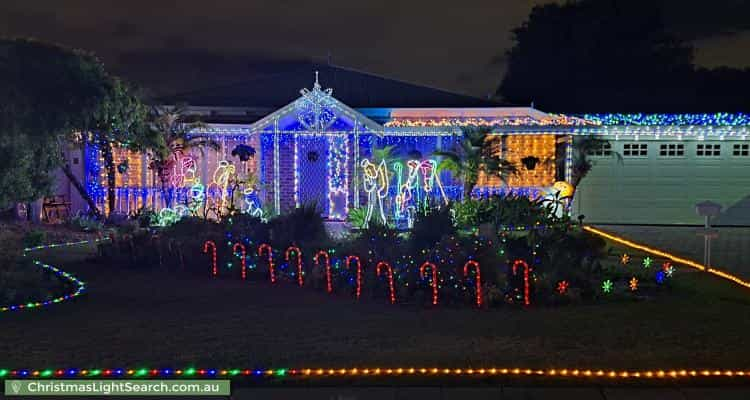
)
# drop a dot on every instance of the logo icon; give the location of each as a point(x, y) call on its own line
point(15, 386)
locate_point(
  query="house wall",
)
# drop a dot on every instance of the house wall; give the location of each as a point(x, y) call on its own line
point(656, 189)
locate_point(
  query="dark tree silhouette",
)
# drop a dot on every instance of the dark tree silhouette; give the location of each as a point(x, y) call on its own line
point(599, 56)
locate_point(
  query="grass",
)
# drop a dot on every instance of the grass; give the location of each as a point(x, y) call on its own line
point(159, 319)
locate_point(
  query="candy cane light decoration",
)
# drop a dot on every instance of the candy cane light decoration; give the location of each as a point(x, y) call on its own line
point(472, 263)
point(316, 260)
point(349, 260)
point(244, 255)
point(268, 250)
point(388, 268)
point(526, 270)
point(296, 251)
point(434, 282)
point(206, 245)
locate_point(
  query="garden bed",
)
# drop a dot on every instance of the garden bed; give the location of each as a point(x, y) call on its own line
point(158, 318)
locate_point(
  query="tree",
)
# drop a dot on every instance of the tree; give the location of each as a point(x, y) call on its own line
point(599, 56)
point(47, 93)
point(120, 120)
point(472, 156)
point(25, 168)
point(172, 127)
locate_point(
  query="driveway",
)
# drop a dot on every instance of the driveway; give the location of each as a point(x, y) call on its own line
point(729, 252)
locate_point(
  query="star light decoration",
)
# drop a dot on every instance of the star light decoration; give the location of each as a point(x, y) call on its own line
point(607, 286)
point(562, 287)
point(624, 259)
point(647, 262)
point(667, 268)
point(316, 108)
point(633, 284)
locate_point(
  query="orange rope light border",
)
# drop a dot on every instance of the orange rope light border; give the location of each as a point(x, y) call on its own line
point(672, 257)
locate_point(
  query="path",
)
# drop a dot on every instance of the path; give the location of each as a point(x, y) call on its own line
point(730, 251)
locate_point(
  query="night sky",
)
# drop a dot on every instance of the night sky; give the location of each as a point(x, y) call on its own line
point(173, 46)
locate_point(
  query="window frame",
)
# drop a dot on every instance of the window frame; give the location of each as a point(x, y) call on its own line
point(641, 148)
point(679, 150)
point(705, 148)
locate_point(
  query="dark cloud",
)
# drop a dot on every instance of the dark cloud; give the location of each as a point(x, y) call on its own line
point(174, 46)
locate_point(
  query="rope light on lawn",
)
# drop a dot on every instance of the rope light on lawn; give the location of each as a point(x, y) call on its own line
point(313, 373)
point(672, 257)
point(80, 285)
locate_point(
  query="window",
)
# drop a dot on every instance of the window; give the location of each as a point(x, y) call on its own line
point(741, 150)
point(708, 150)
point(671, 150)
point(635, 150)
point(604, 150)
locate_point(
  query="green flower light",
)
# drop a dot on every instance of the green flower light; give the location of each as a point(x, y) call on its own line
point(647, 262)
point(607, 286)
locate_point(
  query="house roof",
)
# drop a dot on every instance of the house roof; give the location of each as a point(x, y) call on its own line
point(315, 111)
point(274, 88)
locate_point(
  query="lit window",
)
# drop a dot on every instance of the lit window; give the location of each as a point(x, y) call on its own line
point(741, 150)
point(602, 151)
point(671, 150)
point(635, 150)
point(708, 150)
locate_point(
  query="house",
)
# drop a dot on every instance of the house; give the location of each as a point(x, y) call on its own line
point(320, 145)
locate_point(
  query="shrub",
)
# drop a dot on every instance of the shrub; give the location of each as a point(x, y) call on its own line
point(33, 238)
point(430, 226)
point(23, 282)
point(86, 223)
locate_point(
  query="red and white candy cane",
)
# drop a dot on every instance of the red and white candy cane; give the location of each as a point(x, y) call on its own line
point(298, 252)
point(388, 268)
point(268, 250)
point(434, 282)
point(526, 270)
point(472, 263)
point(244, 254)
point(349, 260)
point(206, 245)
point(316, 259)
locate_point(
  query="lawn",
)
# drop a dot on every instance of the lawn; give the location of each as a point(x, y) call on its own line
point(133, 318)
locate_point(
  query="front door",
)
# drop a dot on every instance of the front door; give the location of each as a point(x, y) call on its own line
point(312, 185)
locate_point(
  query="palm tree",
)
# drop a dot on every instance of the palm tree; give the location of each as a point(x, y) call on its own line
point(472, 156)
point(175, 137)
